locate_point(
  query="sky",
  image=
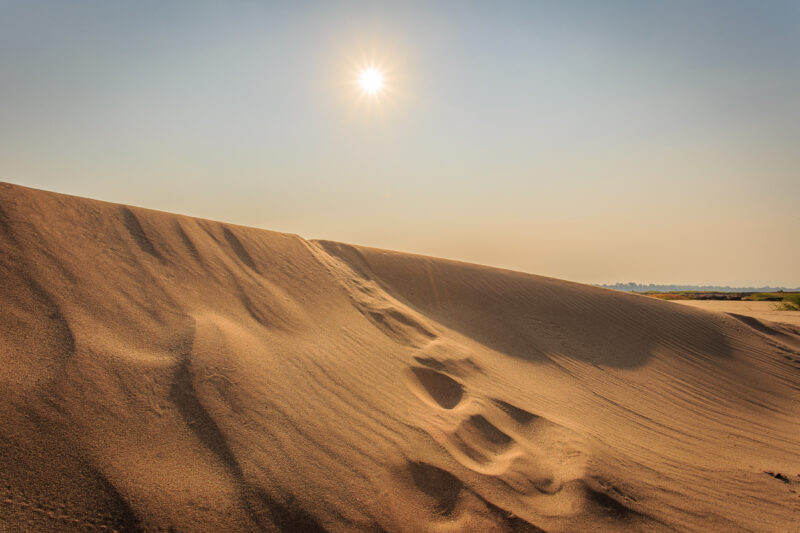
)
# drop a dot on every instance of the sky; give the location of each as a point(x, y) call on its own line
point(592, 141)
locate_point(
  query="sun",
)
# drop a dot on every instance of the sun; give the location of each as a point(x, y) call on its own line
point(371, 81)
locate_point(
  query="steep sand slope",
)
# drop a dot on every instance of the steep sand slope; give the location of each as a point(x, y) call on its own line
point(159, 371)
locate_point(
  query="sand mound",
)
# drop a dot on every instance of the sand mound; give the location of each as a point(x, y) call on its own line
point(162, 372)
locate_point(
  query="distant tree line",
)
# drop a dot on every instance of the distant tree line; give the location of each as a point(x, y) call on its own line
point(641, 287)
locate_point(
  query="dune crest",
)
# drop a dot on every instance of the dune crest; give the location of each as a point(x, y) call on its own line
point(161, 372)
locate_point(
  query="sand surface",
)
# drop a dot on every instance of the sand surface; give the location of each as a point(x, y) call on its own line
point(763, 311)
point(162, 372)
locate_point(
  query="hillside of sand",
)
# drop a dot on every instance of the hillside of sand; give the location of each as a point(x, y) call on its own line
point(165, 373)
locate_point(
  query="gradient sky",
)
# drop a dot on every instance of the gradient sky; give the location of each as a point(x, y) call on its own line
point(592, 141)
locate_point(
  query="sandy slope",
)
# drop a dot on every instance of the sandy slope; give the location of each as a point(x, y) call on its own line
point(159, 371)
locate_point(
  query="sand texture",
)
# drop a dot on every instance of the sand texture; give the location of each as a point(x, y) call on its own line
point(160, 372)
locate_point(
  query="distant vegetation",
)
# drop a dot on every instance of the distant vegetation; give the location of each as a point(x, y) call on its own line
point(790, 302)
point(785, 300)
point(641, 287)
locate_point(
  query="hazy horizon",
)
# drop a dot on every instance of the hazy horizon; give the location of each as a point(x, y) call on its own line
point(597, 143)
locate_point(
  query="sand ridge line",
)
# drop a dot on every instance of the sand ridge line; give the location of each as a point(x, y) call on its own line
point(391, 316)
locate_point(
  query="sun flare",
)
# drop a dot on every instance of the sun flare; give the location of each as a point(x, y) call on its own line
point(371, 81)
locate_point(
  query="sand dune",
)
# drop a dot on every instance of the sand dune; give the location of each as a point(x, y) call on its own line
point(162, 372)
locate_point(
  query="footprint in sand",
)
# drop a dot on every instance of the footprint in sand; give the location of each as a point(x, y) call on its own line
point(534, 459)
point(435, 388)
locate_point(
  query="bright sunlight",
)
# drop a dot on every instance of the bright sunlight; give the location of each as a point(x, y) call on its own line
point(371, 81)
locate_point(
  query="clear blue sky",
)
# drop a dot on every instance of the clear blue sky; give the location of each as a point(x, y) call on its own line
point(593, 141)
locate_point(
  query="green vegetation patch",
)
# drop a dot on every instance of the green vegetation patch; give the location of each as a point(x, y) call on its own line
point(784, 301)
point(790, 302)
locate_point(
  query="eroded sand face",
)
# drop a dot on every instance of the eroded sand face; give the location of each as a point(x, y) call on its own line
point(160, 372)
